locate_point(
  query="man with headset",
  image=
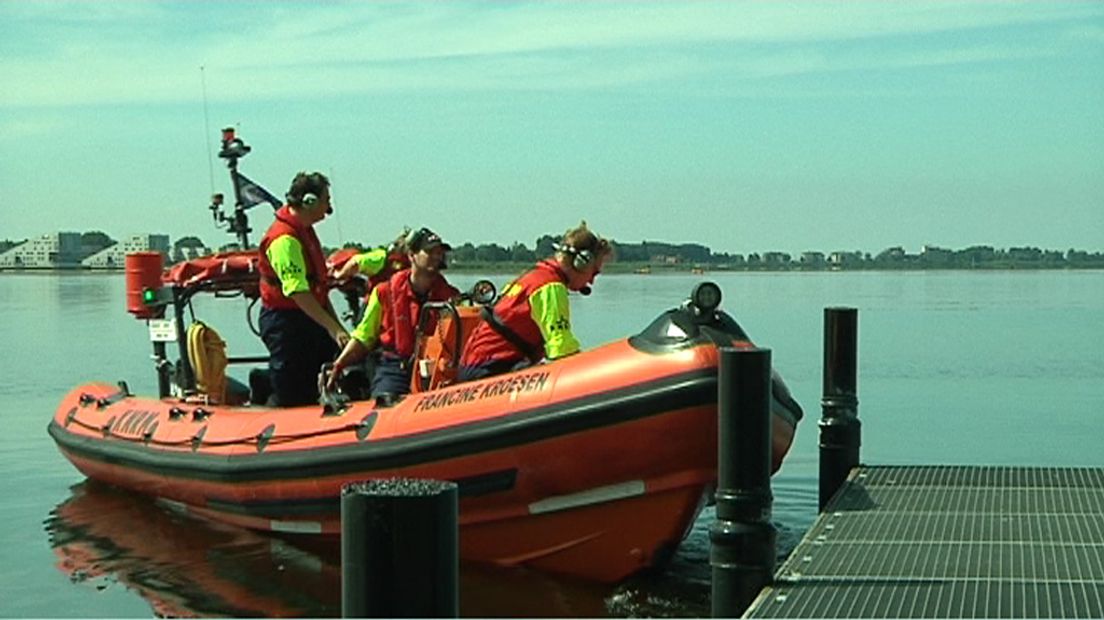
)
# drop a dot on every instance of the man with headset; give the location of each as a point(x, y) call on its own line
point(532, 319)
point(298, 323)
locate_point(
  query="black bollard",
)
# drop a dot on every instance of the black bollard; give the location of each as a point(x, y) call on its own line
point(742, 550)
point(840, 429)
point(399, 549)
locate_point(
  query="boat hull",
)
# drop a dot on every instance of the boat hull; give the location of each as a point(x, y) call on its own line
point(595, 466)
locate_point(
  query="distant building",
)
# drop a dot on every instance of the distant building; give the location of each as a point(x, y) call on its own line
point(114, 257)
point(976, 255)
point(92, 242)
point(60, 250)
point(935, 256)
point(837, 260)
point(776, 258)
point(894, 254)
point(812, 260)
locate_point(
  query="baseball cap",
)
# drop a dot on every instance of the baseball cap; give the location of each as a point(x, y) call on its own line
point(425, 239)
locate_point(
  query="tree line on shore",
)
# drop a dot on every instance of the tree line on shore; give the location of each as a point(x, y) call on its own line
point(683, 256)
point(675, 256)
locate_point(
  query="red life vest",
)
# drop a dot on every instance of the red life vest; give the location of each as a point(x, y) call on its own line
point(515, 313)
point(272, 295)
point(393, 263)
point(401, 309)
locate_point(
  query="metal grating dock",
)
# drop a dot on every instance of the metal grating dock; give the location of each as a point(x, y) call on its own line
point(950, 542)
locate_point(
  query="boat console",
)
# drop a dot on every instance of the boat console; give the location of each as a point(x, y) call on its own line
point(697, 321)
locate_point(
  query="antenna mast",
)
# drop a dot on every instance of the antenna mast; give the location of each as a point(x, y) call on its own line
point(233, 148)
point(207, 128)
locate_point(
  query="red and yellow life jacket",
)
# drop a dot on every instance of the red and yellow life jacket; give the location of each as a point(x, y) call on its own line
point(401, 309)
point(395, 262)
point(272, 295)
point(513, 312)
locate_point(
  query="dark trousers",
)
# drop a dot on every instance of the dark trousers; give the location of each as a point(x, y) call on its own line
point(489, 369)
point(391, 376)
point(297, 348)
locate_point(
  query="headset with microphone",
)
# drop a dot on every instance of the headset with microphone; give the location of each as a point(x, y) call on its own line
point(307, 191)
point(579, 260)
point(309, 200)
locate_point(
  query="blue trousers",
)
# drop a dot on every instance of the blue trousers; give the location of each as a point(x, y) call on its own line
point(297, 348)
point(390, 378)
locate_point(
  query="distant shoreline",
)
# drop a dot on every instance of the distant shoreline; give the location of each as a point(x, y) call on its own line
point(642, 270)
point(646, 257)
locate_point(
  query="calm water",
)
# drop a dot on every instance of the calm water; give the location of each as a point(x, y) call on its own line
point(957, 368)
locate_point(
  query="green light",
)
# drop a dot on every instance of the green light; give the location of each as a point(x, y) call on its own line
point(149, 296)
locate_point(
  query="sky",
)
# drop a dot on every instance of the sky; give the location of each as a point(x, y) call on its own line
point(744, 126)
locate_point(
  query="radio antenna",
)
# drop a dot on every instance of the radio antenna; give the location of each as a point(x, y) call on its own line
point(337, 216)
point(207, 128)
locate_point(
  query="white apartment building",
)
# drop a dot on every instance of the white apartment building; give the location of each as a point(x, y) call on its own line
point(53, 251)
point(114, 257)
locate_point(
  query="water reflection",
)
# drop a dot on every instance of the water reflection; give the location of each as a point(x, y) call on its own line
point(90, 290)
point(182, 567)
point(683, 588)
point(103, 537)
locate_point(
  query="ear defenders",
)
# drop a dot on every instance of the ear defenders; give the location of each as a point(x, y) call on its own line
point(306, 200)
point(309, 200)
point(579, 258)
point(582, 259)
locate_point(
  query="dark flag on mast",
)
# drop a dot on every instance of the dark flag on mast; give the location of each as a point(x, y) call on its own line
point(252, 194)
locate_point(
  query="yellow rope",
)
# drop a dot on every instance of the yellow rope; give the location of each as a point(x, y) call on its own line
point(207, 352)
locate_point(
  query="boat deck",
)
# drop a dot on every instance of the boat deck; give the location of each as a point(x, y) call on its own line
point(950, 542)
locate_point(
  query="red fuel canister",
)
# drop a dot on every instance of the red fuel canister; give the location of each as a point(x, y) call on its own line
point(143, 271)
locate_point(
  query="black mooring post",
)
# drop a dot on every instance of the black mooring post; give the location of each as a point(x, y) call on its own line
point(399, 549)
point(742, 549)
point(840, 429)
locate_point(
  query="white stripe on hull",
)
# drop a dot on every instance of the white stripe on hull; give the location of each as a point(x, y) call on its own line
point(598, 495)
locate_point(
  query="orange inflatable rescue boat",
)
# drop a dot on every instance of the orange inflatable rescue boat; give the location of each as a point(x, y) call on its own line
point(595, 465)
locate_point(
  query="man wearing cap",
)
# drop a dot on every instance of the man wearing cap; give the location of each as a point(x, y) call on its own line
point(392, 315)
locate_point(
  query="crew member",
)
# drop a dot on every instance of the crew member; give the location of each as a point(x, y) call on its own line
point(298, 324)
point(392, 315)
point(377, 264)
point(532, 319)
